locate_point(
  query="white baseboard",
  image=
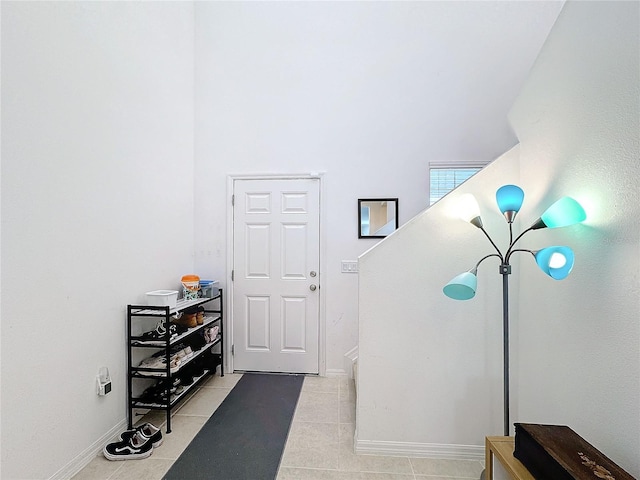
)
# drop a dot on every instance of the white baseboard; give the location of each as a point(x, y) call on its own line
point(335, 372)
point(84, 458)
point(422, 450)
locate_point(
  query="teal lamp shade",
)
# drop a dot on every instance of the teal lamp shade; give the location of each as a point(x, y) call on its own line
point(509, 199)
point(556, 261)
point(562, 213)
point(462, 287)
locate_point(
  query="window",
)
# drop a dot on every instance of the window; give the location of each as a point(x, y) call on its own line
point(444, 177)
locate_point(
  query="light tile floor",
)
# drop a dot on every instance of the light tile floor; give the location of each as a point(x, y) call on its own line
point(319, 447)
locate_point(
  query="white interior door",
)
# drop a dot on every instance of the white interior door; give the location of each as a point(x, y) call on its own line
point(276, 278)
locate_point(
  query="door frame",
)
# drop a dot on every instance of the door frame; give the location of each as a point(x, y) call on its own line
point(228, 330)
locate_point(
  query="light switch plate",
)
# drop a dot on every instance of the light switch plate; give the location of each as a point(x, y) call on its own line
point(349, 266)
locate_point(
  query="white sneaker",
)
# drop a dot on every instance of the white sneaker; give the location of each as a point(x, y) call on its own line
point(159, 364)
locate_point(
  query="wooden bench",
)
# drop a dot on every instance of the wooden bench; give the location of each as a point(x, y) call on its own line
point(500, 449)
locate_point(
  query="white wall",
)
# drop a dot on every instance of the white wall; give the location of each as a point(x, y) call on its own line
point(97, 208)
point(576, 343)
point(578, 120)
point(430, 371)
point(98, 197)
point(368, 92)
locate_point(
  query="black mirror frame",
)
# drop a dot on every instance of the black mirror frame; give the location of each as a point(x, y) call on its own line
point(361, 200)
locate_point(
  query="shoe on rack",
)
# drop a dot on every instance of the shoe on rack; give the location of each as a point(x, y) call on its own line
point(188, 352)
point(181, 322)
point(152, 362)
point(155, 394)
point(179, 356)
point(157, 335)
point(180, 329)
point(188, 320)
point(211, 361)
point(186, 376)
point(198, 368)
point(182, 351)
point(196, 342)
point(160, 364)
point(174, 364)
point(210, 334)
point(191, 320)
point(200, 315)
point(147, 430)
point(136, 447)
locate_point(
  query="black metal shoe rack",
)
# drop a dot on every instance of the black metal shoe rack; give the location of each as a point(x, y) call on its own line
point(213, 316)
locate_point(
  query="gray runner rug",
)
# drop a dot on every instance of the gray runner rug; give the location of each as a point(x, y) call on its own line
point(245, 437)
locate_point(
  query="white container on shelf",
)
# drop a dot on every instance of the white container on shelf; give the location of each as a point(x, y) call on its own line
point(162, 298)
point(209, 288)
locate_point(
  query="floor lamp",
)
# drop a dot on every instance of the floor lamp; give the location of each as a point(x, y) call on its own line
point(555, 261)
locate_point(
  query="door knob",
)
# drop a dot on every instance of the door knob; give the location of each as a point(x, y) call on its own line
point(312, 288)
point(312, 273)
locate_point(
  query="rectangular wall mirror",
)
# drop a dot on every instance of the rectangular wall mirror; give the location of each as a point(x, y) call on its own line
point(377, 217)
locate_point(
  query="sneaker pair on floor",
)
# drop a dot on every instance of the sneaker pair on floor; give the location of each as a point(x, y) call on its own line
point(134, 444)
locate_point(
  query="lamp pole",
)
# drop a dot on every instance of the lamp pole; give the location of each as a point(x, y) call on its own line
point(505, 270)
